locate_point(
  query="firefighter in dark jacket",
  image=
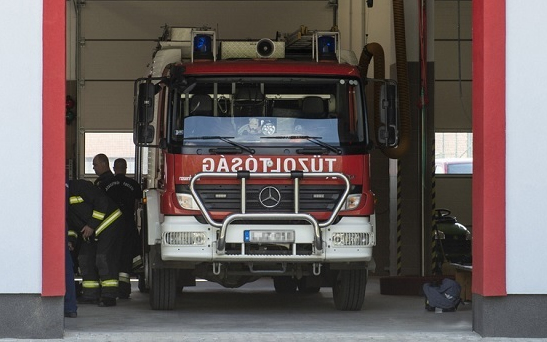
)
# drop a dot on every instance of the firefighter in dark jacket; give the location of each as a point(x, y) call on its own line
point(99, 221)
point(122, 193)
point(129, 204)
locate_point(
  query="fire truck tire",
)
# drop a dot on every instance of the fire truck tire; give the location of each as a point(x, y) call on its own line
point(142, 284)
point(285, 284)
point(144, 277)
point(163, 289)
point(348, 290)
point(304, 287)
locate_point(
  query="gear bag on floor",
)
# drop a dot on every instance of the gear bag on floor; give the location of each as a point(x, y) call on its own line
point(445, 296)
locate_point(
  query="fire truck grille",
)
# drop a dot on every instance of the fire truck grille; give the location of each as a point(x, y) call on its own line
point(270, 198)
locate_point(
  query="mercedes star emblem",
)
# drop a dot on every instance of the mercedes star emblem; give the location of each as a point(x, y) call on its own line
point(269, 197)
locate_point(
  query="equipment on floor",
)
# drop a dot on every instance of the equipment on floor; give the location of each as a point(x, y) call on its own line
point(444, 296)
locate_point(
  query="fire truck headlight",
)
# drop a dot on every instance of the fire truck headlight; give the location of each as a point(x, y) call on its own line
point(350, 239)
point(186, 201)
point(352, 202)
point(185, 238)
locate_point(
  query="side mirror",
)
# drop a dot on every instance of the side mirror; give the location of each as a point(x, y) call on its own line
point(143, 131)
point(388, 131)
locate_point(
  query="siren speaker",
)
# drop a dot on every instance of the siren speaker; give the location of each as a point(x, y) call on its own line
point(265, 47)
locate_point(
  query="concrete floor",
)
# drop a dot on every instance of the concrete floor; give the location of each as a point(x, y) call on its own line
point(254, 312)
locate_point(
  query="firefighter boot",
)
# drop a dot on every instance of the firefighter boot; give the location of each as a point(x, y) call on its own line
point(90, 292)
point(124, 286)
point(107, 301)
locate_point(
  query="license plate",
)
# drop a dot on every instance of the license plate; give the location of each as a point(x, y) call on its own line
point(268, 236)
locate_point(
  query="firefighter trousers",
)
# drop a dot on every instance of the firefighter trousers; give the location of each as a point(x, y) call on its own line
point(129, 241)
point(99, 263)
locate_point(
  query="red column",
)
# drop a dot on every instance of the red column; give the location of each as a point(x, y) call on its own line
point(53, 148)
point(489, 248)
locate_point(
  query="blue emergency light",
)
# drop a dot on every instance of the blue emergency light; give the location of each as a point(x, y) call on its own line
point(326, 46)
point(203, 44)
point(203, 47)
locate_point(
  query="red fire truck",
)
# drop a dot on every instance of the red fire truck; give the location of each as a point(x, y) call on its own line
point(255, 160)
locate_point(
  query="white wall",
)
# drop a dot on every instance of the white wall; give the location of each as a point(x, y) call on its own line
point(360, 25)
point(526, 163)
point(21, 151)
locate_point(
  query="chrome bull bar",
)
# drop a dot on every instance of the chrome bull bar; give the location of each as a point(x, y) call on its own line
point(243, 176)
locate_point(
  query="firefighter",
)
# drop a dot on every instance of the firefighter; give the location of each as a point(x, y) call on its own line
point(102, 169)
point(123, 193)
point(70, 303)
point(129, 205)
point(98, 220)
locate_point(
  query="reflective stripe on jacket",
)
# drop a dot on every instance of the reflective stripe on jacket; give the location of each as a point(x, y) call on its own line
point(89, 205)
point(113, 217)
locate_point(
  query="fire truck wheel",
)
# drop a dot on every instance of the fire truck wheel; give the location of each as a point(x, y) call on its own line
point(348, 289)
point(284, 284)
point(142, 284)
point(163, 289)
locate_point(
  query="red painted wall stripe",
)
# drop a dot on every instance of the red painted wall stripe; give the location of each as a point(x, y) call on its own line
point(53, 148)
point(489, 247)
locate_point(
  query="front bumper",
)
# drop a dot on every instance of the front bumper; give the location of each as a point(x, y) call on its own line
point(350, 240)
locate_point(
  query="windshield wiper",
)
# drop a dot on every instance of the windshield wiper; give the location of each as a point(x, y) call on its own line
point(225, 139)
point(314, 140)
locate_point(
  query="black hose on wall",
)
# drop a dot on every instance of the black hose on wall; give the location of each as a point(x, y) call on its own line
point(375, 50)
point(402, 80)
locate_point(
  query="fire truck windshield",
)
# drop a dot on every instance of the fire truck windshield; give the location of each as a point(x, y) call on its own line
point(263, 112)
